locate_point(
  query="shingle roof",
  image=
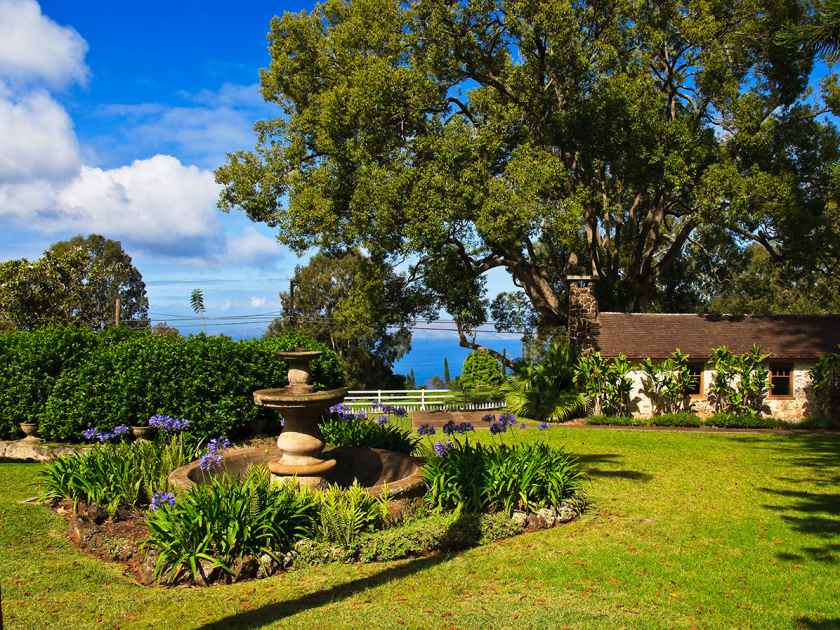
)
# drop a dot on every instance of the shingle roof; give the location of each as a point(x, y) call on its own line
point(657, 335)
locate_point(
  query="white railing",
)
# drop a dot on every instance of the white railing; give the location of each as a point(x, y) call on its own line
point(371, 400)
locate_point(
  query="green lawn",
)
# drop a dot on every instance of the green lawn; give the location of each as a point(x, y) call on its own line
point(687, 530)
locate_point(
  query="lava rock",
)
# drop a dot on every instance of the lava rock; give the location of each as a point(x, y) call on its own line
point(520, 518)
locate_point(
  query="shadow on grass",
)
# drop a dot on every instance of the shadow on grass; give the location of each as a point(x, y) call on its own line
point(609, 458)
point(807, 623)
point(806, 511)
point(462, 534)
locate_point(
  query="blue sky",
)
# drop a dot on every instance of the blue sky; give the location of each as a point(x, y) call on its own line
point(118, 112)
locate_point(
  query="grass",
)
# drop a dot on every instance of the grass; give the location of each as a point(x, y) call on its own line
point(688, 530)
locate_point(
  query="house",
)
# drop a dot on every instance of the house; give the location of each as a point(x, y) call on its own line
point(795, 342)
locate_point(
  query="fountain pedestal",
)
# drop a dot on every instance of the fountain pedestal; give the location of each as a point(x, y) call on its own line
point(301, 407)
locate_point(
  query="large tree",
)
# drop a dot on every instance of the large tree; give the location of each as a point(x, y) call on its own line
point(74, 281)
point(359, 307)
point(648, 142)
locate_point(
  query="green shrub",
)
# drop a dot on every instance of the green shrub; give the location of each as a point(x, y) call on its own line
point(668, 384)
point(684, 419)
point(615, 421)
point(742, 421)
point(361, 432)
point(30, 364)
point(478, 478)
point(215, 524)
point(117, 475)
point(825, 379)
point(544, 390)
point(605, 383)
point(740, 381)
point(481, 369)
point(207, 379)
point(345, 514)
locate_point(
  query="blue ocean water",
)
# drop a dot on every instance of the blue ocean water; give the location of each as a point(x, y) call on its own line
point(427, 353)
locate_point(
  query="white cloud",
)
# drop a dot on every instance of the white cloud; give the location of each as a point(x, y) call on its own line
point(38, 141)
point(258, 302)
point(253, 246)
point(157, 203)
point(35, 48)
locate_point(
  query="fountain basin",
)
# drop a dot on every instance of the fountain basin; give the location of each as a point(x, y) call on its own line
point(375, 469)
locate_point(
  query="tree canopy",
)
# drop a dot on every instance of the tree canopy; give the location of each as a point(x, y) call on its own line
point(74, 281)
point(360, 308)
point(648, 142)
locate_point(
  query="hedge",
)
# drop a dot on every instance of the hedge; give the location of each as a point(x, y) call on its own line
point(32, 362)
point(481, 369)
point(107, 379)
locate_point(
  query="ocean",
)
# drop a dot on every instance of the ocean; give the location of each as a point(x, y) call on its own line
point(427, 354)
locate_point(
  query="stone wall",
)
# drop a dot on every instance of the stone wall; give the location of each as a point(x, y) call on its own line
point(790, 409)
point(583, 316)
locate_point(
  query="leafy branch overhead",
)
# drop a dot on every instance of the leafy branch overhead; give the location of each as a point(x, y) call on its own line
point(649, 143)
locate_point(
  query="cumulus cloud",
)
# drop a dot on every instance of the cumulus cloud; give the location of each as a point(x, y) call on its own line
point(251, 245)
point(34, 48)
point(38, 138)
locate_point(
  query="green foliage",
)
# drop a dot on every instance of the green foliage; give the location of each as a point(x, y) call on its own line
point(32, 362)
point(358, 306)
point(718, 420)
point(114, 476)
point(197, 301)
point(207, 379)
point(217, 523)
point(740, 382)
point(744, 421)
point(75, 282)
point(825, 380)
point(605, 383)
point(478, 478)
point(344, 515)
point(544, 390)
point(653, 142)
point(668, 384)
point(365, 433)
point(480, 369)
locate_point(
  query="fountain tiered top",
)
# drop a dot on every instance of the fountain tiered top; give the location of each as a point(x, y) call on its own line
point(299, 391)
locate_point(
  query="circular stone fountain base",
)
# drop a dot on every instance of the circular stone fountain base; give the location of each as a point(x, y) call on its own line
point(375, 469)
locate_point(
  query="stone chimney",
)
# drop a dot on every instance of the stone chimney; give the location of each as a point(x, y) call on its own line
point(583, 313)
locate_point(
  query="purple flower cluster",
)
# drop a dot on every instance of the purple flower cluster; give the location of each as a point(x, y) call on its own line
point(116, 433)
point(462, 427)
point(159, 499)
point(168, 424)
point(382, 420)
point(506, 421)
point(389, 409)
point(347, 414)
point(212, 459)
point(425, 429)
point(542, 426)
point(442, 448)
point(489, 417)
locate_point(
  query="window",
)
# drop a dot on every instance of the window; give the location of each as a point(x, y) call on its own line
point(696, 372)
point(781, 380)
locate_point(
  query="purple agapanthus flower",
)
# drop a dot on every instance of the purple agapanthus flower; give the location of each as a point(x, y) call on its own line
point(159, 499)
point(522, 425)
point(382, 419)
point(442, 448)
point(168, 424)
point(120, 430)
point(90, 433)
point(400, 411)
point(425, 429)
point(507, 419)
point(543, 426)
point(210, 461)
point(218, 444)
point(498, 427)
point(489, 417)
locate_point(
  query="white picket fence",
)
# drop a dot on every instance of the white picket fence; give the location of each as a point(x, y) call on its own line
point(371, 400)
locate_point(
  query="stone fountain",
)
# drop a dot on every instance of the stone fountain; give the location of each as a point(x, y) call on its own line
point(299, 452)
point(301, 407)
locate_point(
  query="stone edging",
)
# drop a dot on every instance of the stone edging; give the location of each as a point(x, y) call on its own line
point(23, 451)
